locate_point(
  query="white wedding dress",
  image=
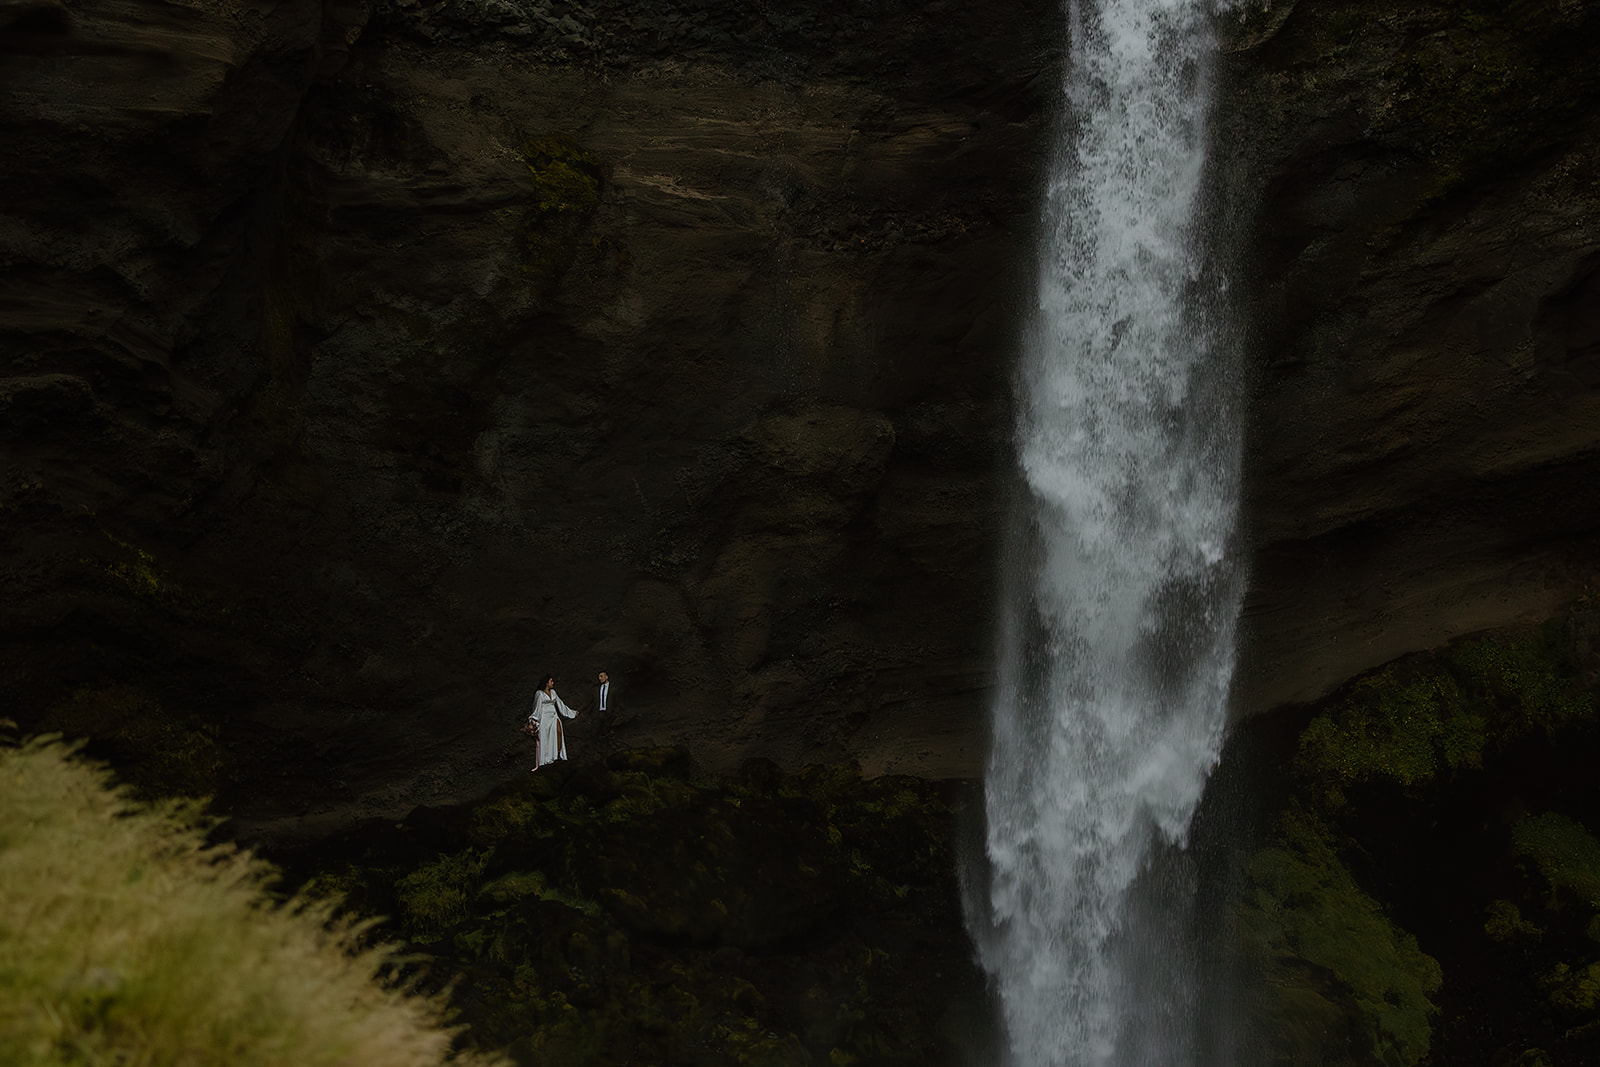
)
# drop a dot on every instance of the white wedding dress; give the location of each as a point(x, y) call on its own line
point(548, 711)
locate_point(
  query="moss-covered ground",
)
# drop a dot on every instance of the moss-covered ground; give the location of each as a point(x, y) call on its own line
point(1427, 890)
point(630, 913)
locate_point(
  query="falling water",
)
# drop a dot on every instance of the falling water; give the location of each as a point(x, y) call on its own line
point(1117, 640)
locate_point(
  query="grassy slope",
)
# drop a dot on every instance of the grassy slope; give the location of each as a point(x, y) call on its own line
point(125, 940)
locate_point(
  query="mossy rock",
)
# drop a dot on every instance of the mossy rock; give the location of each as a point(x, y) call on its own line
point(1307, 921)
point(1566, 855)
point(1574, 992)
point(1528, 683)
point(1403, 723)
point(631, 912)
point(1429, 715)
point(1478, 81)
point(135, 572)
point(1404, 825)
point(1468, 85)
point(1503, 922)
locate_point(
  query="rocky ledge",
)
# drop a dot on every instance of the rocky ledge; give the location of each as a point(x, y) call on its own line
point(635, 912)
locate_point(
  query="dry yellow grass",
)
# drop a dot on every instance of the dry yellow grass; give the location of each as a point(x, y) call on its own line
point(125, 941)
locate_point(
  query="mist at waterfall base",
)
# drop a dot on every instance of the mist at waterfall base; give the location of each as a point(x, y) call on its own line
point(1122, 586)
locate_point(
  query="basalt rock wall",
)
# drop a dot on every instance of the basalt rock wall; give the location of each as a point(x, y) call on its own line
point(1425, 284)
point(363, 363)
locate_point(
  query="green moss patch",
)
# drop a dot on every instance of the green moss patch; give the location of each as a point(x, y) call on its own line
point(1574, 991)
point(567, 183)
point(1429, 714)
point(1405, 828)
point(1404, 723)
point(1503, 922)
point(1314, 927)
point(1528, 684)
point(1565, 854)
point(567, 174)
point(136, 573)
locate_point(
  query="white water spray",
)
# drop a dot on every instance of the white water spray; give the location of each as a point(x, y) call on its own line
point(1117, 645)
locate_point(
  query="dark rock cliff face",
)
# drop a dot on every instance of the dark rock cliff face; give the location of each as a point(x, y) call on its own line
point(361, 364)
point(1427, 289)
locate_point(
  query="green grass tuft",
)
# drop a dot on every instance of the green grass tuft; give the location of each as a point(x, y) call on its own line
point(435, 897)
point(567, 181)
point(124, 939)
point(503, 817)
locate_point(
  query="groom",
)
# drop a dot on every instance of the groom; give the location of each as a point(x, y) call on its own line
point(605, 699)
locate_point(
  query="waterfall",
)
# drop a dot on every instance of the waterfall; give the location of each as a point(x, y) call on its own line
point(1117, 635)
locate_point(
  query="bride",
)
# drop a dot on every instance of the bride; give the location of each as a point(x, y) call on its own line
point(545, 723)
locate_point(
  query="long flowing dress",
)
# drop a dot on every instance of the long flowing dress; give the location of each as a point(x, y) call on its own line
point(548, 711)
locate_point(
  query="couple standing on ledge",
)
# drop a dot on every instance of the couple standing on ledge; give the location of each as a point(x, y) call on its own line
point(545, 724)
